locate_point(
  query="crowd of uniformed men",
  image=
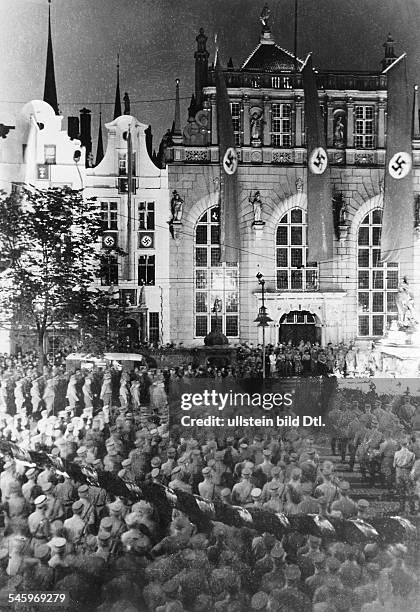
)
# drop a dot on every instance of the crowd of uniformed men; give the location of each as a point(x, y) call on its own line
point(110, 553)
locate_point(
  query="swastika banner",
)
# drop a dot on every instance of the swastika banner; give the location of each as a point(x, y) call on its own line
point(398, 215)
point(229, 234)
point(320, 212)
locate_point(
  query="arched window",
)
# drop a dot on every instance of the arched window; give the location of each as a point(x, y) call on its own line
point(293, 271)
point(377, 282)
point(216, 297)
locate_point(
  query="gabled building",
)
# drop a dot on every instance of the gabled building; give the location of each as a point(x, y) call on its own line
point(350, 297)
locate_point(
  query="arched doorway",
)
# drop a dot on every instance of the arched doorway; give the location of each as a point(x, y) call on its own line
point(128, 334)
point(299, 325)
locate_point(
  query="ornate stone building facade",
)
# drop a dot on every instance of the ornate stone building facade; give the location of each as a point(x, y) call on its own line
point(351, 297)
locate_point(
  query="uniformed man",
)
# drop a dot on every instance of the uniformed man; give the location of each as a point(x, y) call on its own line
point(27, 487)
point(75, 526)
point(177, 481)
point(38, 523)
point(275, 503)
point(58, 560)
point(241, 492)
point(308, 504)
point(275, 579)
point(344, 504)
point(328, 488)
point(207, 488)
point(55, 510)
point(104, 540)
point(363, 511)
point(65, 492)
point(403, 463)
point(256, 499)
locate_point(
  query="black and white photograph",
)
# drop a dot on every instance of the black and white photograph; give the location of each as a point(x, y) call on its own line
point(210, 305)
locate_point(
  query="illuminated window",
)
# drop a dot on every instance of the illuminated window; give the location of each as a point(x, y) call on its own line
point(377, 282)
point(235, 109)
point(216, 296)
point(364, 127)
point(293, 270)
point(281, 134)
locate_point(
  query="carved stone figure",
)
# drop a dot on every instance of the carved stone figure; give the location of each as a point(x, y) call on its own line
point(339, 132)
point(299, 184)
point(405, 304)
point(265, 17)
point(177, 204)
point(257, 206)
point(256, 126)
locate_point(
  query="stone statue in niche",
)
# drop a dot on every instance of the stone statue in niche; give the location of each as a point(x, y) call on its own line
point(177, 204)
point(256, 126)
point(299, 184)
point(339, 132)
point(339, 214)
point(257, 205)
point(405, 304)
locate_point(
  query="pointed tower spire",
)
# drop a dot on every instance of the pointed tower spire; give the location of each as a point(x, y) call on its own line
point(100, 147)
point(176, 130)
point(117, 105)
point(50, 90)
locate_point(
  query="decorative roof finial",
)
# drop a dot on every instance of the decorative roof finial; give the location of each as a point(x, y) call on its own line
point(265, 17)
point(126, 100)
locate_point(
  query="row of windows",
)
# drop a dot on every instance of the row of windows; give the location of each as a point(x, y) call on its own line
point(216, 303)
point(146, 265)
point(281, 129)
point(145, 215)
point(216, 284)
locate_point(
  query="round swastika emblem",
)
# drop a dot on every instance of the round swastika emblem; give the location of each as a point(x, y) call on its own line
point(109, 241)
point(230, 161)
point(318, 161)
point(399, 165)
point(146, 242)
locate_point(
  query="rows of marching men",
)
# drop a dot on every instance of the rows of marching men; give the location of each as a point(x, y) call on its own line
point(114, 552)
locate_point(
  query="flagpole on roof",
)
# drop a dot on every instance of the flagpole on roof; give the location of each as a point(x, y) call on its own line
point(306, 60)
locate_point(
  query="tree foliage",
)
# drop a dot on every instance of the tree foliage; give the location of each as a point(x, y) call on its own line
point(50, 239)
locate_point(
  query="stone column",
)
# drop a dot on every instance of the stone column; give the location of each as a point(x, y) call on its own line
point(213, 120)
point(350, 123)
point(267, 121)
point(246, 126)
point(298, 121)
point(381, 124)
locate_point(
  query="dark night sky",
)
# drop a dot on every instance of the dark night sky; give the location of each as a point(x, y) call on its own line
point(156, 41)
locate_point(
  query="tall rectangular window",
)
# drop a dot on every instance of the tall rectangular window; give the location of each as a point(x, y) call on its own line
point(281, 129)
point(364, 127)
point(146, 270)
point(50, 154)
point(235, 109)
point(109, 215)
point(109, 270)
point(154, 327)
point(122, 164)
point(146, 212)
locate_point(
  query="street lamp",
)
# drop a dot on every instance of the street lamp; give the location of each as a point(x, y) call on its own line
point(262, 319)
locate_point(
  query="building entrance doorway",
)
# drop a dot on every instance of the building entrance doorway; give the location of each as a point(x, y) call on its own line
point(128, 335)
point(299, 325)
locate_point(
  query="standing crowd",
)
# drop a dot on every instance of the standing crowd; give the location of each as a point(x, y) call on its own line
point(110, 552)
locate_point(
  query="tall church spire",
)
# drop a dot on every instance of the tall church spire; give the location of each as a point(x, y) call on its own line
point(100, 147)
point(117, 105)
point(50, 90)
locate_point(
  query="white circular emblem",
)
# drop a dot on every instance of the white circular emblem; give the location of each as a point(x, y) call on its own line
point(109, 241)
point(146, 241)
point(318, 161)
point(230, 161)
point(399, 165)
